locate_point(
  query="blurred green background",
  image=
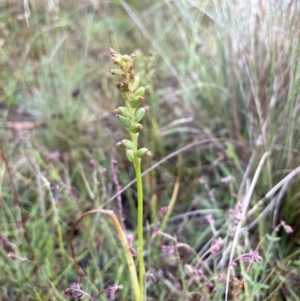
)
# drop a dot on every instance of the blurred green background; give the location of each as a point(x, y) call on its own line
point(225, 80)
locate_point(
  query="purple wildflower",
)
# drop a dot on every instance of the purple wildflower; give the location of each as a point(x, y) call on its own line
point(288, 229)
point(164, 209)
point(133, 251)
point(226, 180)
point(152, 277)
point(198, 274)
point(111, 291)
point(208, 218)
point(72, 291)
point(237, 213)
point(130, 239)
point(169, 249)
point(247, 257)
point(217, 245)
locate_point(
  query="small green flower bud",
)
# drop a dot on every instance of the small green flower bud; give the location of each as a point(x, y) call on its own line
point(128, 144)
point(136, 101)
point(123, 111)
point(142, 152)
point(130, 155)
point(126, 57)
point(139, 92)
point(135, 83)
point(139, 114)
point(125, 120)
point(117, 72)
point(117, 60)
point(136, 128)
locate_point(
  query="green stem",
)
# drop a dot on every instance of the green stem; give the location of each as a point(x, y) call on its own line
point(137, 166)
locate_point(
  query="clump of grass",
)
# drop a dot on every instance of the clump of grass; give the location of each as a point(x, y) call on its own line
point(237, 69)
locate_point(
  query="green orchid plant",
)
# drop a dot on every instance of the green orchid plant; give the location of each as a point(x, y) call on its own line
point(130, 115)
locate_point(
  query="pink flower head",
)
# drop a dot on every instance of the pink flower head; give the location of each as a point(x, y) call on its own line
point(164, 209)
point(111, 291)
point(217, 245)
point(168, 249)
point(255, 256)
point(198, 274)
point(237, 213)
point(152, 277)
point(288, 229)
point(247, 257)
point(226, 180)
point(209, 219)
point(72, 291)
point(130, 239)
